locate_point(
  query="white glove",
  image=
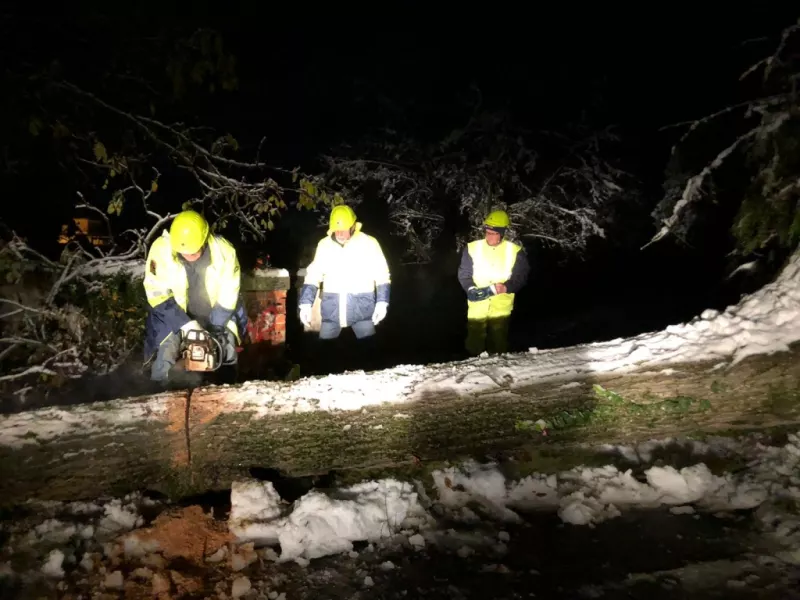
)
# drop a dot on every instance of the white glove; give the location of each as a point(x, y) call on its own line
point(305, 314)
point(381, 308)
point(190, 326)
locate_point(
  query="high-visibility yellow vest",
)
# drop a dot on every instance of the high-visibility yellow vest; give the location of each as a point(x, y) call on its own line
point(490, 265)
point(165, 276)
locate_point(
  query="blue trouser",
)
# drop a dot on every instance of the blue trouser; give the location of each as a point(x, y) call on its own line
point(330, 330)
point(166, 357)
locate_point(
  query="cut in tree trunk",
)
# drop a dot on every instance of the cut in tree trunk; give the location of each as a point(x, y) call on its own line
point(185, 443)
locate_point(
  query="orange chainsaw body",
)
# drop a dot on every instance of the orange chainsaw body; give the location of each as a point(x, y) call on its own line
point(199, 352)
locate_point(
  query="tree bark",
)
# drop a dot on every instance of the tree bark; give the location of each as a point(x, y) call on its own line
point(185, 443)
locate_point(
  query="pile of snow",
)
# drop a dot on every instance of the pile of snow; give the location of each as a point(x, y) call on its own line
point(764, 322)
point(270, 272)
point(585, 495)
point(320, 524)
point(645, 452)
point(95, 543)
point(589, 495)
point(62, 531)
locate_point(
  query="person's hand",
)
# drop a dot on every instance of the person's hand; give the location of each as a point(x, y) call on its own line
point(381, 308)
point(305, 314)
point(500, 288)
point(476, 294)
point(191, 326)
point(227, 343)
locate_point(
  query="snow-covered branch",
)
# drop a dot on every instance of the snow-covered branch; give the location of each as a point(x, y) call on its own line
point(556, 194)
point(764, 146)
point(51, 329)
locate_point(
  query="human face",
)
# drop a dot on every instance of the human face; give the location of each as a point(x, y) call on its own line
point(342, 235)
point(192, 257)
point(493, 238)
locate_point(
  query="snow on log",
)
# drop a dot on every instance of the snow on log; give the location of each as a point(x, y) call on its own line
point(735, 369)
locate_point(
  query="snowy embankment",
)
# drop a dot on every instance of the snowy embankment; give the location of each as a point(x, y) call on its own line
point(106, 545)
point(114, 545)
point(764, 322)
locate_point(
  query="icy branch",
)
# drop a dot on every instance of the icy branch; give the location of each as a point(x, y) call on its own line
point(488, 164)
point(771, 112)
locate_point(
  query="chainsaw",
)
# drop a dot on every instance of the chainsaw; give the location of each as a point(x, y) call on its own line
point(201, 351)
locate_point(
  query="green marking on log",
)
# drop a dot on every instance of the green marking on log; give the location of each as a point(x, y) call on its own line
point(609, 407)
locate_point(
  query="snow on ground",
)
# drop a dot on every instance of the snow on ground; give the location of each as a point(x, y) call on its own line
point(64, 531)
point(589, 495)
point(108, 540)
point(270, 272)
point(318, 524)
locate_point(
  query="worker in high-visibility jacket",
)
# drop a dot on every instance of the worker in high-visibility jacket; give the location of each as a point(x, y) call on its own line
point(492, 271)
point(352, 271)
point(192, 281)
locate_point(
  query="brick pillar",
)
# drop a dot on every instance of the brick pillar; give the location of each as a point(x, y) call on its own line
point(264, 293)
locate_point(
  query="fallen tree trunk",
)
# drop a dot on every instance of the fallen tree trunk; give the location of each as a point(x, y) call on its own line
point(184, 443)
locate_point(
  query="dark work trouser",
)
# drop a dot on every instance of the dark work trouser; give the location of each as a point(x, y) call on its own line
point(489, 335)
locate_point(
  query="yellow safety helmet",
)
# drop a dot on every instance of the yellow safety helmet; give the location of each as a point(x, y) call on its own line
point(342, 218)
point(188, 232)
point(497, 218)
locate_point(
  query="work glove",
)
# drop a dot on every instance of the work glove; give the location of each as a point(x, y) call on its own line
point(226, 341)
point(476, 294)
point(381, 308)
point(305, 314)
point(191, 326)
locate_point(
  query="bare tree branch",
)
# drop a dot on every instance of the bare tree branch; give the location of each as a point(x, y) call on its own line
point(223, 194)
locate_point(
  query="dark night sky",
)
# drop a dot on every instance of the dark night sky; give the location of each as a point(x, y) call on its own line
point(310, 78)
point(647, 69)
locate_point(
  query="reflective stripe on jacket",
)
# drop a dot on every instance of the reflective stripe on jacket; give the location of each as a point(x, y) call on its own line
point(353, 276)
point(483, 265)
point(166, 286)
